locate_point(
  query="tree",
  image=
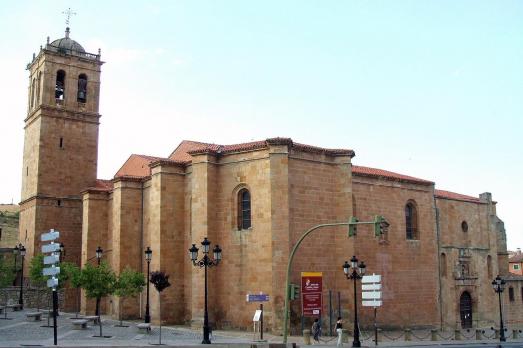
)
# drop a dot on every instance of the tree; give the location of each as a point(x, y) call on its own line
point(129, 284)
point(98, 281)
point(74, 274)
point(7, 276)
point(160, 280)
point(37, 278)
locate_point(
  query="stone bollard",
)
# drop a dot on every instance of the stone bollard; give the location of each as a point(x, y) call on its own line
point(457, 335)
point(379, 335)
point(344, 336)
point(307, 337)
point(515, 334)
point(496, 334)
point(433, 335)
point(478, 334)
point(408, 335)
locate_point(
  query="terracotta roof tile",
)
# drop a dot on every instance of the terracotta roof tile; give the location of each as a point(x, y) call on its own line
point(455, 196)
point(105, 185)
point(187, 148)
point(385, 174)
point(517, 257)
point(136, 166)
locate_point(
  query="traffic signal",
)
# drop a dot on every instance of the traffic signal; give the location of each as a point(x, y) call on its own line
point(380, 225)
point(352, 226)
point(294, 292)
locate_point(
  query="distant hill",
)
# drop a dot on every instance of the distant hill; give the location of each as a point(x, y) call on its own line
point(9, 220)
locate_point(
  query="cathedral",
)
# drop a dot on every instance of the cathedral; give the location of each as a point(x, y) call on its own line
point(437, 258)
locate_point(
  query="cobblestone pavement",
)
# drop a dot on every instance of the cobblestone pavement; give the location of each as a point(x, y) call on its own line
point(19, 332)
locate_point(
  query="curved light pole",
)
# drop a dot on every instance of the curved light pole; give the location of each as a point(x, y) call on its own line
point(357, 273)
point(99, 254)
point(148, 257)
point(499, 285)
point(16, 251)
point(21, 299)
point(205, 262)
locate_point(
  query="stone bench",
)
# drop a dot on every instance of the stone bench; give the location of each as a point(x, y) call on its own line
point(79, 324)
point(144, 327)
point(15, 307)
point(35, 316)
point(93, 318)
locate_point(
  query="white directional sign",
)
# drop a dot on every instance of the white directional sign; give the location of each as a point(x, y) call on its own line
point(51, 235)
point(371, 290)
point(51, 271)
point(49, 260)
point(52, 283)
point(50, 248)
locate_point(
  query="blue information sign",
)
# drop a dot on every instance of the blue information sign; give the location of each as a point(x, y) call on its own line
point(257, 297)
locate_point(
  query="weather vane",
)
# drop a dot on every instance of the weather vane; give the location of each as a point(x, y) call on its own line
point(68, 13)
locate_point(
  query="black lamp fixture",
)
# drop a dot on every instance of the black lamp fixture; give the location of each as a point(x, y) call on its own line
point(498, 284)
point(148, 257)
point(99, 254)
point(16, 251)
point(205, 262)
point(21, 298)
point(357, 272)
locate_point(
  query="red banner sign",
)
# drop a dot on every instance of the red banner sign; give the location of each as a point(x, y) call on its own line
point(311, 294)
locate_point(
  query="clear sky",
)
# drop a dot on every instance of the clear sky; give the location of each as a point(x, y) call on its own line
point(432, 89)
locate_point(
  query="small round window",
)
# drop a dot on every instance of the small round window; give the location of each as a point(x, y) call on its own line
point(464, 226)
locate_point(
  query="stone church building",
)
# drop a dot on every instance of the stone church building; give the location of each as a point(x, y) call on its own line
point(437, 258)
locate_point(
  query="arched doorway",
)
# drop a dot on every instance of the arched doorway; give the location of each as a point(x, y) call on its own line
point(465, 310)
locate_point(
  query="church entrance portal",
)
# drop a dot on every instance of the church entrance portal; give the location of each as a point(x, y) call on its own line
point(465, 310)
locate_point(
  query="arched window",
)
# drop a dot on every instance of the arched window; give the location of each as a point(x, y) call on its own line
point(33, 85)
point(38, 84)
point(489, 266)
point(411, 221)
point(244, 209)
point(82, 88)
point(511, 293)
point(59, 91)
point(443, 265)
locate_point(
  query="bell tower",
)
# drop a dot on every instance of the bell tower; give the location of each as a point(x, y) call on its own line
point(60, 143)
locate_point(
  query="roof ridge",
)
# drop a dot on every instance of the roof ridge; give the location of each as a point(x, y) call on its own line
point(387, 174)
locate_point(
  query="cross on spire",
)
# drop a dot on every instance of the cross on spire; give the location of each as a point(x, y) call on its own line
point(68, 14)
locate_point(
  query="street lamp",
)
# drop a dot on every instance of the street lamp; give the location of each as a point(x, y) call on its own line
point(62, 251)
point(205, 262)
point(148, 257)
point(16, 251)
point(99, 253)
point(499, 285)
point(21, 299)
point(357, 273)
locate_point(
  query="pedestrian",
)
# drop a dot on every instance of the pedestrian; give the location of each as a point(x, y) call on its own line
point(339, 330)
point(316, 330)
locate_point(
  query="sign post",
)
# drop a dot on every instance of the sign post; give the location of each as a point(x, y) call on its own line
point(371, 297)
point(52, 271)
point(311, 294)
point(258, 315)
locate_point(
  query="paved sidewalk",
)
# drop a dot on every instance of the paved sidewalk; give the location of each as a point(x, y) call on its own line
point(18, 332)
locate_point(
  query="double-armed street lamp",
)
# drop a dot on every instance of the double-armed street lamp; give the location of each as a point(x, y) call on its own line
point(205, 262)
point(499, 285)
point(357, 272)
point(21, 299)
point(148, 257)
point(99, 254)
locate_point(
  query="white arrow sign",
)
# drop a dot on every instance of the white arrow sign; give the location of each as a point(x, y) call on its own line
point(50, 248)
point(49, 260)
point(371, 295)
point(375, 278)
point(373, 303)
point(52, 283)
point(51, 271)
point(52, 235)
point(370, 287)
